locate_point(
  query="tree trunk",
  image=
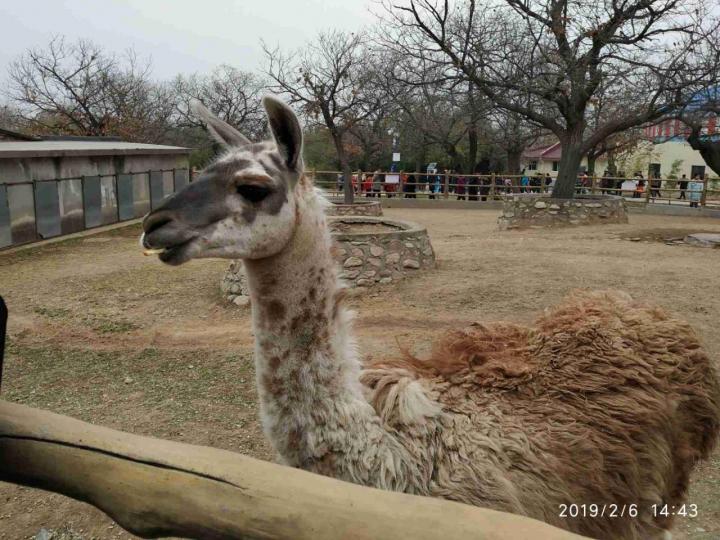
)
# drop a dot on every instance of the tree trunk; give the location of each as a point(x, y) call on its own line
point(591, 164)
point(572, 154)
point(472, 149)
point(513, 161)
point(348, 193)
point(709, 150)
point(155, 488)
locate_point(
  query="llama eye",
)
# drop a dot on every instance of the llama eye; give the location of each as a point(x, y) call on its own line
point(252, 193)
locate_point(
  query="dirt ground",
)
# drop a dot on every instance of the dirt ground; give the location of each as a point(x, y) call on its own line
point(101, 333)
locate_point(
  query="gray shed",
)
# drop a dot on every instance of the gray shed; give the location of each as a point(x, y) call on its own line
point(54, 187)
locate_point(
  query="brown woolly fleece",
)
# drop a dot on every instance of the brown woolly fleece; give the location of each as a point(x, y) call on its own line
point(605, 401)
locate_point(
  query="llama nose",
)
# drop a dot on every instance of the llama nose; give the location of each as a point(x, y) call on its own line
point(155, 220)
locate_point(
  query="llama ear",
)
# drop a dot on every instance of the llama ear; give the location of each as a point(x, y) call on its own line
point(286, 131)
point(221, 131)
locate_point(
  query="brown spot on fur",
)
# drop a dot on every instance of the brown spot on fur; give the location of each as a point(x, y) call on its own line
point(274, 363)
point(294, 439)
point(275, 311)
point(272, 385)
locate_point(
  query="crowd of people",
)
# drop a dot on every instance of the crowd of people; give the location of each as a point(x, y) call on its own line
point(435, 185)
point(689, 190)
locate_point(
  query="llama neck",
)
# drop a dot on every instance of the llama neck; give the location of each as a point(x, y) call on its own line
point(312, 405)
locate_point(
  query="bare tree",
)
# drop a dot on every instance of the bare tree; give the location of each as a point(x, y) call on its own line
point(80, 89)
point(513, 133)
point(327, 79)
point(695, 115)
point(645, 54)
point(230, 94)
point(444, 112)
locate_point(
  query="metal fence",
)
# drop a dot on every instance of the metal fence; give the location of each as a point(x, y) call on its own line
point(40, 209)
point(491, 187)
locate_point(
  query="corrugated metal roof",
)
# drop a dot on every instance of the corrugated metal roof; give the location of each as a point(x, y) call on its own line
point(26, 149)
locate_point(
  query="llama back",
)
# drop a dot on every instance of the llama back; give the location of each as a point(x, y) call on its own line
point(604, 401)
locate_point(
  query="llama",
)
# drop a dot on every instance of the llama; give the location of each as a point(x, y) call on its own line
point(605, 401)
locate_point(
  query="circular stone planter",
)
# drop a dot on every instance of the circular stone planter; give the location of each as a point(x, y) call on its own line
point(358, 208)
point(534, 211)
point(369, 251)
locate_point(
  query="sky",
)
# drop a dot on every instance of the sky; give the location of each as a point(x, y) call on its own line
point(180, 36)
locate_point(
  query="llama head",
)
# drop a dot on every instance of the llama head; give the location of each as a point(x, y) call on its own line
point(243, 206)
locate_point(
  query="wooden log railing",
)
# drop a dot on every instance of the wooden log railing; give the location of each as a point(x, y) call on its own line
point(155, 488)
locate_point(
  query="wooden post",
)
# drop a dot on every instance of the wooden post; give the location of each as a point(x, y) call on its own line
point(156, 488)
point(446, 186)
point(3, 332)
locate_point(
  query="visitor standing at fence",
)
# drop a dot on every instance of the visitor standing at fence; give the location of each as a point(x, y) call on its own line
point(377, 183)
point(367, 185)
point(460, 188)
point(606, 182)
point(640, 186)
point(436, 186)
point(472, 188)
point(655, 185)
point(694, 191)
point(683, 186)
point(410, 186)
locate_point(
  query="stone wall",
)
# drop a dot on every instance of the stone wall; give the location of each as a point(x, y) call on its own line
point(359, 208)
point(385, 257)
point(365, 259)
point(531, 210)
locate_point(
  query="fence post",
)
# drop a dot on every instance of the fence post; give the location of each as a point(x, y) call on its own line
point(593, 185)
point(648, 190)
point(491, 195)
point(703, 196)
point(446, 186)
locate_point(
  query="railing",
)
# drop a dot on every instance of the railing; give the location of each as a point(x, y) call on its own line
point(490, 187)
point(40, 209)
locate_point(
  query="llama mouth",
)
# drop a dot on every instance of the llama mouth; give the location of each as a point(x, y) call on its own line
point(174, 254)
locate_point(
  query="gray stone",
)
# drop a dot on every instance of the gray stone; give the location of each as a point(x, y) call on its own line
point(351, 262)
point(554, 207)
point(385, 280)
point(241, 300)
point(350, 274)
point(376, 251)
point(411, 263)
point(540, 204)
point(392, 258)
point(363, 282)
point(375, 261)
point(703, 239)
point(357, 252)
point(385, 273)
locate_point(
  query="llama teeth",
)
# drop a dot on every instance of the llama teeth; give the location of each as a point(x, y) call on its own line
point(157, 251)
